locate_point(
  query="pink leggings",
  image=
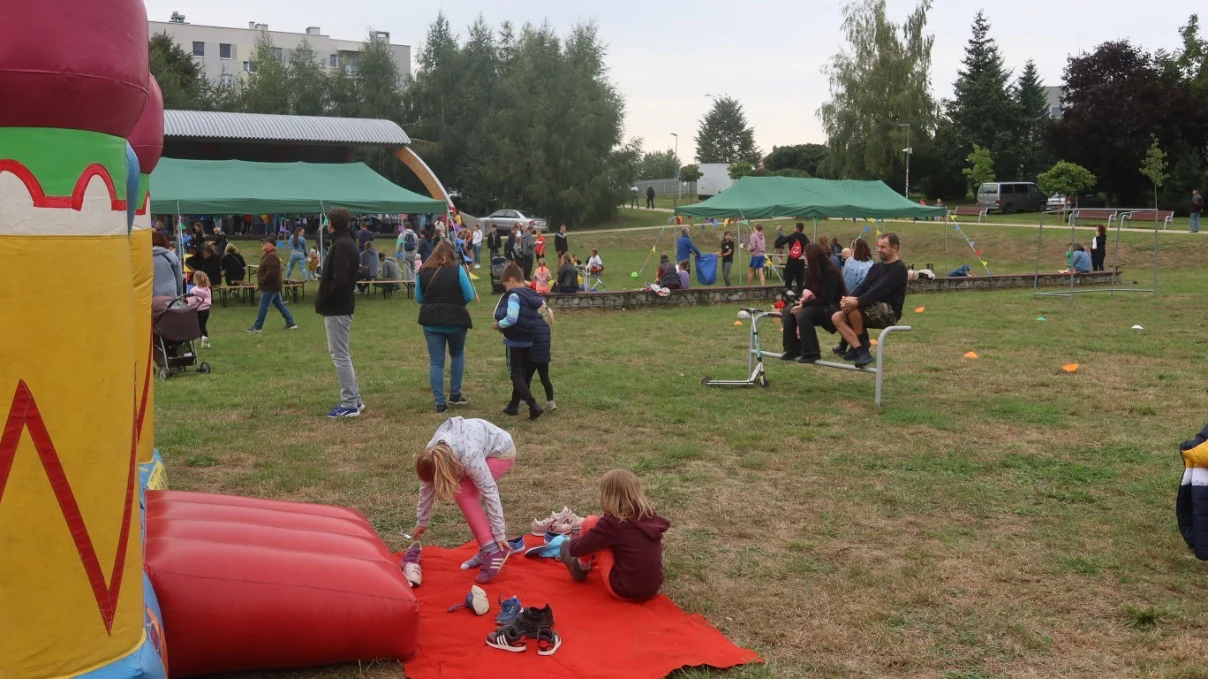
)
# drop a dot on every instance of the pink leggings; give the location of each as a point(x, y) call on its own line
point(470, 501)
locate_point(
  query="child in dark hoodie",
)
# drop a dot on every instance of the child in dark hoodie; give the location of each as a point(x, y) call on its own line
point(625, 545)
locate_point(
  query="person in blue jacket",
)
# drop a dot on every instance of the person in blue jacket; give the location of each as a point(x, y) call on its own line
point(517, 317)
point(684, 247)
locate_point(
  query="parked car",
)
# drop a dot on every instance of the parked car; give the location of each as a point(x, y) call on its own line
point(1057, 201)
point(1008, 197)
point(505, 219)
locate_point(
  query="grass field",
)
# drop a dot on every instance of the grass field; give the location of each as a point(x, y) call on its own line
point(998, 518)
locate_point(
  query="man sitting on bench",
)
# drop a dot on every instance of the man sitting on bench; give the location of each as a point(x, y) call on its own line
point(876, 303)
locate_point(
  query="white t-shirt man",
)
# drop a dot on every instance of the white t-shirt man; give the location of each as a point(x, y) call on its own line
point(594, 263)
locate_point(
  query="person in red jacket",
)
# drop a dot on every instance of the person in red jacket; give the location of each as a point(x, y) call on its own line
point(625, 545)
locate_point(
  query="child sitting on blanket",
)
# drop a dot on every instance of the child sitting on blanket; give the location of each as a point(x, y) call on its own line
point(625, 545)
point(462, 462)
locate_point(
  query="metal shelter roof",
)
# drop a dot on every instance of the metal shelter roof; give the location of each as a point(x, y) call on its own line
point(262, 127)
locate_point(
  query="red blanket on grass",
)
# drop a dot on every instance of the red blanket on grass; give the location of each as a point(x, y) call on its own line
point(601, 635)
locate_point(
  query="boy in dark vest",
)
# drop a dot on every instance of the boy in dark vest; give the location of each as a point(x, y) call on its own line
point(516, 316)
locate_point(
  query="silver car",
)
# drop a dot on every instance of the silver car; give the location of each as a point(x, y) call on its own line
point(506, 219)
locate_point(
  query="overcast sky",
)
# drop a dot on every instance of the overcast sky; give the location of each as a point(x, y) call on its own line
point(667, 56)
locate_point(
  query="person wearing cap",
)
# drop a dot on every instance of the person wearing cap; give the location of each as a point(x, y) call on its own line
point(268, 279)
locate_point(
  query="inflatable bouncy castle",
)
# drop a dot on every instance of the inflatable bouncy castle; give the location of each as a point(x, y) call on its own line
point(246, 584)
point(74, 81)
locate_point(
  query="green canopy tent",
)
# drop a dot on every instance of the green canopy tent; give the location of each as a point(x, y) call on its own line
point(769, 197)
point(241, 187)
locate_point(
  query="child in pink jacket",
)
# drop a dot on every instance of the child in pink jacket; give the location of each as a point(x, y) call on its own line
point(200, 298)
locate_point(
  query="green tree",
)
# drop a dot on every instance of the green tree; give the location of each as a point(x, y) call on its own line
point(810, 158)
point(982, 110)
point(1154, 168)
point(308, 81)
point(877, 83)
point(659, 164)
point(523, 118)
point(1107, 138)
point(379, 84)
point(1066, 178)
point(690, 173)
point(724, 135)
point(181, 80)
point(267, 88)
point(1033, 107)
point(981, 167)
point(741, 169)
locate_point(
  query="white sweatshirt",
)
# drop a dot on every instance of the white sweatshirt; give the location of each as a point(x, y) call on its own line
point(472, 441)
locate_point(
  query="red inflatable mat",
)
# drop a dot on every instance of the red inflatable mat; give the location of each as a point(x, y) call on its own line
point(257, 584)
point(602, 637)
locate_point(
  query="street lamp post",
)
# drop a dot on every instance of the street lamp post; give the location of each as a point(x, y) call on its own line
point(675, 201)
point(908, 150)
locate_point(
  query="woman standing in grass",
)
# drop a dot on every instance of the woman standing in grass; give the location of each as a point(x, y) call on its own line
point(443, 291)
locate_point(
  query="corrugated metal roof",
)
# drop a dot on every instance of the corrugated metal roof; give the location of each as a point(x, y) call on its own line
point(266, 127)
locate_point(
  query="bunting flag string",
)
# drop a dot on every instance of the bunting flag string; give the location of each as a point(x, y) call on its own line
point(973, 246)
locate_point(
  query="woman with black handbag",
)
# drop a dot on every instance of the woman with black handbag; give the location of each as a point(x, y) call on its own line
point(443, 291)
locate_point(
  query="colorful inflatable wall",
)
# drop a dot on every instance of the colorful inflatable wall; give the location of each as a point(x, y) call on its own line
point(73, 598)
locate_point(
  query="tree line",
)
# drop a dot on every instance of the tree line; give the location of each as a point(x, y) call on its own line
point(509, 117)
point(1122, 109)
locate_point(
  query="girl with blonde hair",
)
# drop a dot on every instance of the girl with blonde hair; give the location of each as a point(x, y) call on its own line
point(201, 297)
point(462, 463)
point(625, 544)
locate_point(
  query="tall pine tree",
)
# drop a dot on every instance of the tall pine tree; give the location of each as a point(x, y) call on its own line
point(983, 111)
point(1033, 107)
point(724, 135)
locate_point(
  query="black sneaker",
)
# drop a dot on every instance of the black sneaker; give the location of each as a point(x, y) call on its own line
point(532, 620)
point(840, 349)
point(851, 354)
point(789, 357)
point(511, 410)
point(535, 410)
point(441, 409)
point(458, 400)
point(863, 358)
point(809, 359)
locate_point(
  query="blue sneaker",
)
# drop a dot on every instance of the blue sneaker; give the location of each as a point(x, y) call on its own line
point(509, 609)
point(341, 411)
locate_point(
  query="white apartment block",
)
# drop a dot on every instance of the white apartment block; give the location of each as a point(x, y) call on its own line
point(225, 53)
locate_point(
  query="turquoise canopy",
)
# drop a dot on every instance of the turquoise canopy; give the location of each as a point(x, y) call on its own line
point(241, 187)
point(768, 197)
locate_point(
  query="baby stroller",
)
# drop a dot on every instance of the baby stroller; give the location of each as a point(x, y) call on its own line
point(498, 264)
point(175, 327)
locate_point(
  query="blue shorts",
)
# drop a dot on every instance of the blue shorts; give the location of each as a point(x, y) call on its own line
point(757, 261)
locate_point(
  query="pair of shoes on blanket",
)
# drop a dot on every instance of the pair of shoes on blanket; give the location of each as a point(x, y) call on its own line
point(530, 624)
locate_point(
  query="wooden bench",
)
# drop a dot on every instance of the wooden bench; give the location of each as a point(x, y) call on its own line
point(970, 211)
point(1164, 216)
point(387, 289)
point(239, 292)
point(293, 287)
point(755, 363)
point(1096, 213)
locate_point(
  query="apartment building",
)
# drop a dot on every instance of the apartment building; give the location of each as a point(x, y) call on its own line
point(226, 53)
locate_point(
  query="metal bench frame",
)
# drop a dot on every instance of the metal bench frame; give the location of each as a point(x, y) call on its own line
point(758, 374)
point(1166, 222)
point(968, 211)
